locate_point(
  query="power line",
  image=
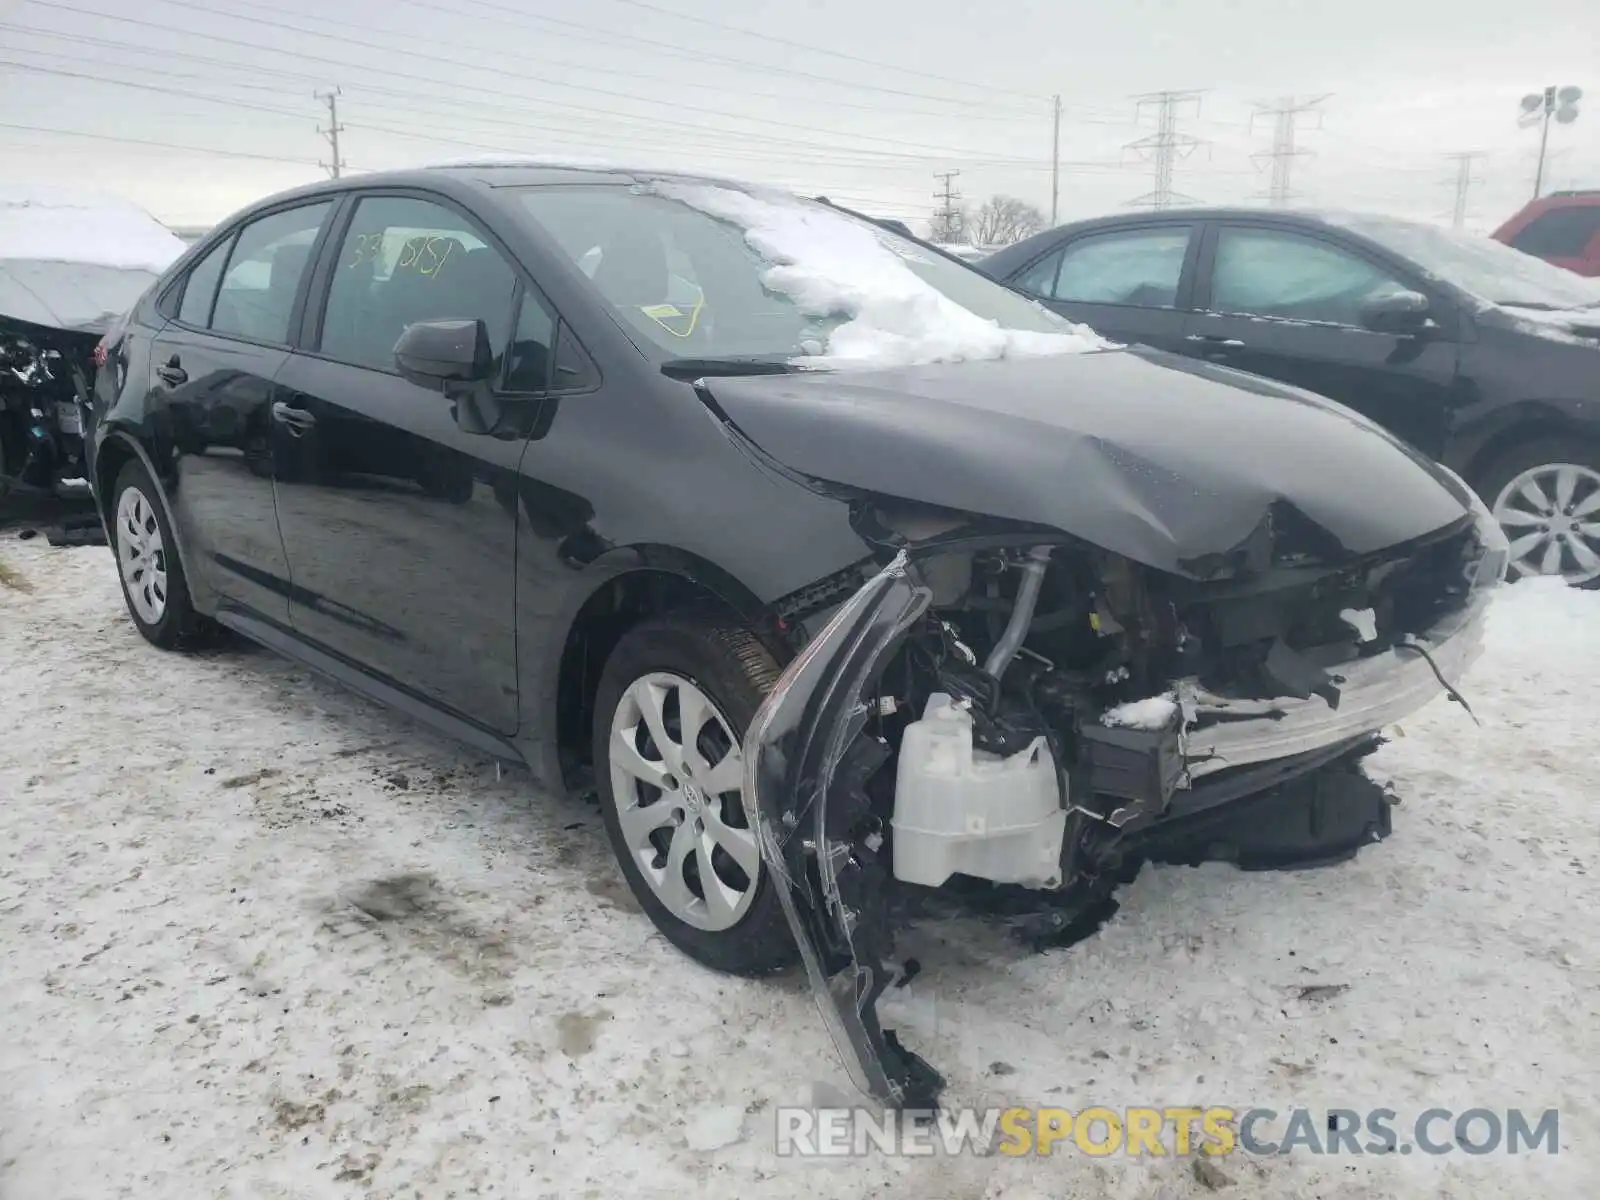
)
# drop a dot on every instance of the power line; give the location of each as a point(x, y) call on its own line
point(1463, 183)
point(608, 38)
point(767, 37)
point(761, 144)
point(164, 55)
point(1165, 146)
point(673, 81)
point(152, 87)
point(770, 146)
point(106, 137)
point(78, 60)
point(716, 147)
point(1285, 116)
point(476, 66)
point(649, 128)
point(452, 136)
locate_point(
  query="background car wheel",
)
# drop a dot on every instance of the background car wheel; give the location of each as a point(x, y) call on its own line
point(674, 702)
point(1546, 496)
point(147, 561)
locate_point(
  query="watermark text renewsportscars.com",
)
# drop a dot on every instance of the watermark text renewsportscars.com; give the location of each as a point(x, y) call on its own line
point(1167, 1131)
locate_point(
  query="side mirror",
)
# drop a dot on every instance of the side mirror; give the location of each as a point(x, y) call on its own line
point(434, 354)
point(1396, 312)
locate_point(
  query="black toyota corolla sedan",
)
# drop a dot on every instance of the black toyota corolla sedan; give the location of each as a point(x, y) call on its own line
point(1481, 356)
point(834, 567)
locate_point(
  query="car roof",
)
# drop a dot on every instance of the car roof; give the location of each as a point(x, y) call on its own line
point(496, 173)
point(1288, 216)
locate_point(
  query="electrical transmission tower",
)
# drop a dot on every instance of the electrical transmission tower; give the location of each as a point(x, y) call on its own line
point(332, 132)
point(1463, 181)
point(947, 217)
point(1165, 146)
point(1285, 114)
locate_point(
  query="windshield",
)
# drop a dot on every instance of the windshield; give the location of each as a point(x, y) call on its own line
point(716, 272)
point(1489, 270)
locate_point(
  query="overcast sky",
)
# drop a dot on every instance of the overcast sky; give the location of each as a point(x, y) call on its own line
point(861, 99)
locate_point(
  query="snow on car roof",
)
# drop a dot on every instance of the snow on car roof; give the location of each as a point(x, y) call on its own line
point(42, 224)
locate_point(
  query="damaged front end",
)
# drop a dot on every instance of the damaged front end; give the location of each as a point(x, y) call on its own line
point(1011, 709)
point(44, 389)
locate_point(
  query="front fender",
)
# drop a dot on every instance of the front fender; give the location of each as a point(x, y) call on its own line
point(551, 603)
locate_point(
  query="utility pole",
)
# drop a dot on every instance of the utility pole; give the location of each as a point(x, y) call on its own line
point(1538, 108)
point(1055, 157)
point(947, 217)
point(1285, 122)
point(332, 132)
point(1165, 146)
point(1463, 181)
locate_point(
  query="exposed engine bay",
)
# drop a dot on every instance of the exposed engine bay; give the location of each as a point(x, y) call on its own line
point(1024, 714)
point(44, 376)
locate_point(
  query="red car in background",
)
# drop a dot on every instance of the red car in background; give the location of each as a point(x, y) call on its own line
point(1562, 228)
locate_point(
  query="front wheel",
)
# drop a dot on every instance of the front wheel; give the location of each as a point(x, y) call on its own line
point(675, 700)
point(1546, 497)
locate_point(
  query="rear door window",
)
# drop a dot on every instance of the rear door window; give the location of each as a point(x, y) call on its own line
point(1272, 273)
point(262, 281)
point(405, 260)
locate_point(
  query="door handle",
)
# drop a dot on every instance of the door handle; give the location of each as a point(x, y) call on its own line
point(172, 374)
point(297, 419)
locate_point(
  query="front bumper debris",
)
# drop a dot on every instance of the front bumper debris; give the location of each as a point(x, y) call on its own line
point(1373, 692)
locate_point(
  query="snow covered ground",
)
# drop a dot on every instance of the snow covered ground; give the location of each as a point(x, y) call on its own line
point(261, 939)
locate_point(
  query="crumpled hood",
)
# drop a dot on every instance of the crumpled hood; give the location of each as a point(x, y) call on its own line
point(1166, 461)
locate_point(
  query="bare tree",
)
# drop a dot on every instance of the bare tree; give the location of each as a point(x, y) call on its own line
point(1001, 220)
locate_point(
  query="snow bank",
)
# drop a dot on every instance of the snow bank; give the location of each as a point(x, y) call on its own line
point(42, 224)
point(194, 1006)
point(830, 264)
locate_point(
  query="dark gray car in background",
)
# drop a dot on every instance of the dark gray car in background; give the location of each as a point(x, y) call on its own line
point(1479, 355)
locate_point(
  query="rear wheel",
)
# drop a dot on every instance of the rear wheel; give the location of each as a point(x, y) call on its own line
point(152, 577)
point(1546, 497)
point(674, 702)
